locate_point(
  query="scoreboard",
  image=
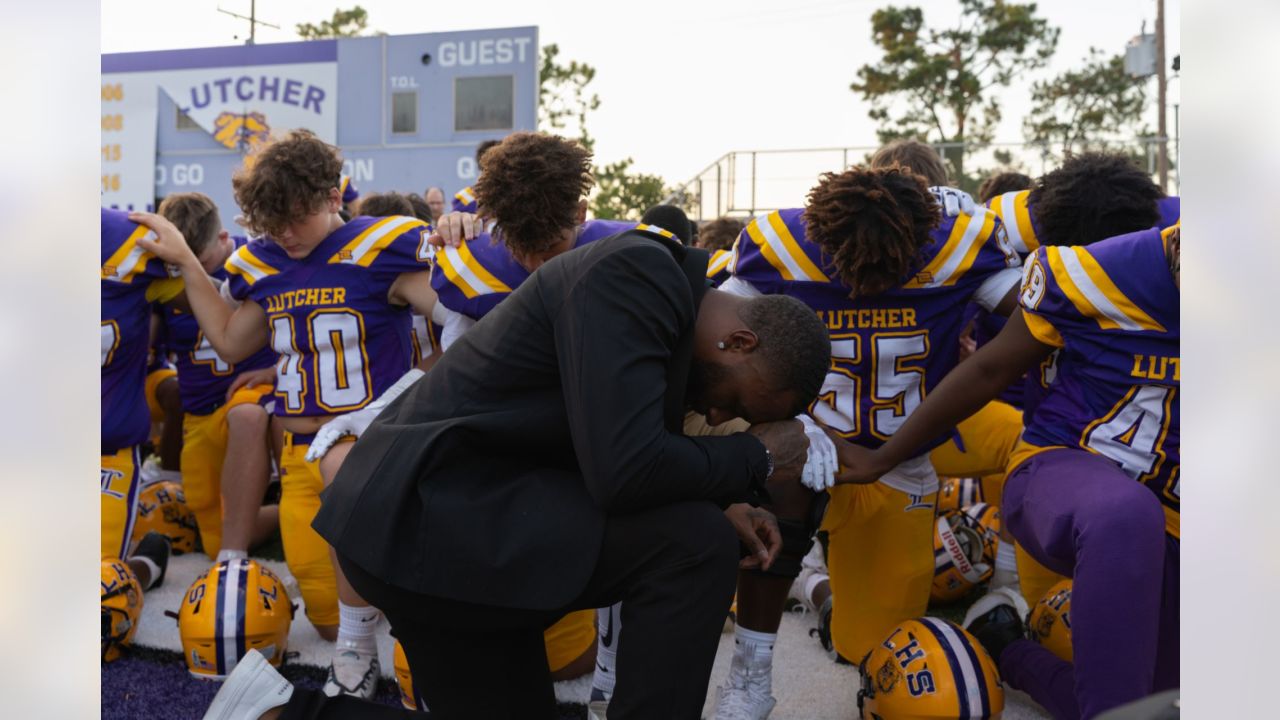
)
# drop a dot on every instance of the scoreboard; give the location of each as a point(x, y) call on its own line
point(407, 111)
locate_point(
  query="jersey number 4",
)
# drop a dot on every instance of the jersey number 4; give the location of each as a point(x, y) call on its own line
point(336, 337)
point(897, 386)
point(1133, 433)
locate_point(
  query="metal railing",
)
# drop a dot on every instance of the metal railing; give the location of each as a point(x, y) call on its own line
point(744, 183)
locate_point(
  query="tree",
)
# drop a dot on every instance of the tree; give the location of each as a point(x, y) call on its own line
point(564, 101)
point(939, 85)
point(621, 195)
point(563, 98)
point(345, 23)
point(1088, 108)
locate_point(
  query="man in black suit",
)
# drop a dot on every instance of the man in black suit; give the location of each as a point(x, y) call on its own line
point(539, 467)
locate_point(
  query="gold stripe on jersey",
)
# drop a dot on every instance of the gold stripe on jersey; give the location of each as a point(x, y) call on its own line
point(129, 259)
point(1094, 295)
point(162, 291)
point(247, 265)
point(720, 260)
point(968, 234)
point(466, 273)
point(1013, 212)
point(365, 247)
point(780, 249)
point(465, 196)
point(1166, 233)
point(655, 229)
point(343, 182)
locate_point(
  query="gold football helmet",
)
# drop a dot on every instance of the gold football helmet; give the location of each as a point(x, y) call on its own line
point(956, 493)
point(1050, 623)
point(929, 668)
point(235, 606)
point(121, 607)
point(162, 507)
point(964, 555)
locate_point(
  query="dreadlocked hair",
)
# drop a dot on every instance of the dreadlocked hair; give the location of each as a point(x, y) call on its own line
point(872, 224)
point(285, 181)
point(531, 184)
point(1092, 197)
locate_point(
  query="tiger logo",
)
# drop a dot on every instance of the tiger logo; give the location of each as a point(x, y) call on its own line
point(247, 131)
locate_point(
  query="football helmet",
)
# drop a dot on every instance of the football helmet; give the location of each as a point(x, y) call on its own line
point(163, 508)
point(1050, 622)
point(121, 607)
point(957, 493)
point(988, 516)
point(929, 668)
point(235, 606)
point(410, 698)
point(964, 554)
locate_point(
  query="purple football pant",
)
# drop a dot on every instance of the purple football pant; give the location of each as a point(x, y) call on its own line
point(1079, 515)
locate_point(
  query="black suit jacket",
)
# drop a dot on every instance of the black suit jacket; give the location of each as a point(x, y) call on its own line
point(491, 480)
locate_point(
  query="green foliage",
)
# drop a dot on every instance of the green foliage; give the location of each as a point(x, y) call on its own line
point(939, 84)
point(563, 98)
point(345, 23)
point(564, 101)
point(1087, 108)
point(621, 195)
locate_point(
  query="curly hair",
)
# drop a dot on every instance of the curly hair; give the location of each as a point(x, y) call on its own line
point(286, 180)
point(531, 184)
point(385, 205)
point(1093, 196)
point(720, 234)
point(872, 224)
point(196, 217)
point(1002, 183)
point(916, 156)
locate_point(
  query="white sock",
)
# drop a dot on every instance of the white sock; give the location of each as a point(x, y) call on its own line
point(753, 647)
point(356, 626)
point(1006, 558)
point(152, 569)
point(225, 554)
point(812, 584)
point(608, 627)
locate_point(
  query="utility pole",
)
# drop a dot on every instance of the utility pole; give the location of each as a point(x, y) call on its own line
point(1162, 148)
point(254, 22)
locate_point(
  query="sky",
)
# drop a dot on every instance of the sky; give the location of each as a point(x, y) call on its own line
point(681, 83)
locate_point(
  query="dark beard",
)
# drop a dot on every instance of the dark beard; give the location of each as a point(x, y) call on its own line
point(703, 376)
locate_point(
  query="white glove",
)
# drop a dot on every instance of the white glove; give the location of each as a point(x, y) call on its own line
point(355, 423)
point(953, 201)
point(822, 463)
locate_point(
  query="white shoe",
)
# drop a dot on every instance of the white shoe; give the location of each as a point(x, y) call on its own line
point(993, 599)
point(739, 703)
point(811, 565)
point(251, 689)
point(152, 473)
point(353, 672)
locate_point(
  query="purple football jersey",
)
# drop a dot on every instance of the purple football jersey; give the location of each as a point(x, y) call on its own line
point(203, 377)
point(889, 350)
point(340, 342)
point(1113, 309)
point(131, 278)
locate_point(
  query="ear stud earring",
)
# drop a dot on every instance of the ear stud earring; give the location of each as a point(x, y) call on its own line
point(720, 345)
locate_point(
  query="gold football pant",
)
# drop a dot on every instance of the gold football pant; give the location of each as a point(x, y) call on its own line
point(305, 552)
point(880, 556)
point(204, 449)
point(120, 488)
point(569, 638)
point(986, 442)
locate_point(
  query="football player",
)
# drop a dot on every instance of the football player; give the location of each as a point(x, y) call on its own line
point(1095, 485)
point(132, 278)
point(889, 269)
point(333, 299)
point(465, 199)
point(225, 457)
point(719, 236)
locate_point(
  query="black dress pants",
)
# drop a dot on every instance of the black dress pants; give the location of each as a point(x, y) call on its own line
point(675, 566)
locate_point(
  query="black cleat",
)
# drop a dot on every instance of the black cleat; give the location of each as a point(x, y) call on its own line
point(156, 548)
point(996, 621)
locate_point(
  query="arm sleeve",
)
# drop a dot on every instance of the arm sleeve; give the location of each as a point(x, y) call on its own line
point(454, 325)
point(614, 340)
point(737, 286)
point(995, 287)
